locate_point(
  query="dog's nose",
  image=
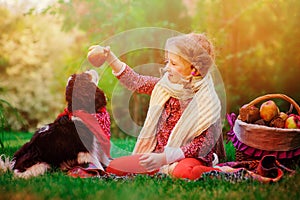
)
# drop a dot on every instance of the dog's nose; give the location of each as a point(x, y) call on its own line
point(94, 74)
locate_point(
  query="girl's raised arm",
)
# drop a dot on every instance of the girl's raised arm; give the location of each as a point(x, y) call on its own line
point(97, 55)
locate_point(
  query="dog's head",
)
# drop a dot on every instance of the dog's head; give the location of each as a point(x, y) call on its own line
point(82, 92)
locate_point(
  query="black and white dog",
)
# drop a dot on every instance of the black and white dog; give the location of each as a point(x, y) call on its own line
point(69, 141)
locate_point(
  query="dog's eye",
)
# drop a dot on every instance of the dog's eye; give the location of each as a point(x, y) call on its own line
point(93, 76)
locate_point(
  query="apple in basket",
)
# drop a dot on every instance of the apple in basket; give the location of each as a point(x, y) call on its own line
point(97, 55)
point(292, 122)
point(268, 110)
point(249, 114)
point(283, 116)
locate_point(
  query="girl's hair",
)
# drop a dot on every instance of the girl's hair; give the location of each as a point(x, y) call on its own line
point(195, 48)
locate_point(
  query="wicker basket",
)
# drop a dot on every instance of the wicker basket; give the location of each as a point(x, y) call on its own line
point(266, 138)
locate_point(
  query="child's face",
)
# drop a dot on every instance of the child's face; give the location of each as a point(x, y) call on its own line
point(177, 67)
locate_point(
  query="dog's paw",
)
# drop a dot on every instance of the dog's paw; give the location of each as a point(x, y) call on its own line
point(35, 170)
point(84, 157)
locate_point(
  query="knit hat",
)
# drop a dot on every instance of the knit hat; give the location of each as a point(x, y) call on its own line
point(195, 48)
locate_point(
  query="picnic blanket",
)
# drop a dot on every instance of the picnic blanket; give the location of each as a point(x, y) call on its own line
point(266, 170)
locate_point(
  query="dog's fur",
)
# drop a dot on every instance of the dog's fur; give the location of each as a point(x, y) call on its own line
point(58, 144)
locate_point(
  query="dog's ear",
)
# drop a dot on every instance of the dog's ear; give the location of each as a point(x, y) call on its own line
point(71, 78)
point(69, 88)
point(100, 99)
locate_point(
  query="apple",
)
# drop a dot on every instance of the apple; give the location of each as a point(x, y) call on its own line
point(268, 110)
point(277, 122)
point(292, 122)
point(97, 55)
point(283, 116)
point(249, 114)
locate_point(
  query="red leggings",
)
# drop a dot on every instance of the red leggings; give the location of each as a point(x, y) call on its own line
point(190, 168)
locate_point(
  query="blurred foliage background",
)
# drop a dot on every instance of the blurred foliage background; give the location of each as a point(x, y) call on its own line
point(257, 44)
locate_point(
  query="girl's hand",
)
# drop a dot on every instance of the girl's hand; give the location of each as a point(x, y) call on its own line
point(153, 161)
point(97, 55)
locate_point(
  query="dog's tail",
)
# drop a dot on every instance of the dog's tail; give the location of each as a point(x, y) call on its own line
point(5, 163)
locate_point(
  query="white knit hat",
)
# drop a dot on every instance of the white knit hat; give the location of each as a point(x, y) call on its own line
point(195, 48)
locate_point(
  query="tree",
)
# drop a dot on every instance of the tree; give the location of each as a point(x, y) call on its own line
point(257, 42)
point(32, 56)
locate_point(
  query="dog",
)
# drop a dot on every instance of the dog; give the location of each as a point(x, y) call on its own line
point(78, 135)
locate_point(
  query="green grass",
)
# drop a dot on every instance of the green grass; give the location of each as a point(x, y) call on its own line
point(57, 185)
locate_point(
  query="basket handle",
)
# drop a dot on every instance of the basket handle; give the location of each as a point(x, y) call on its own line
point(275, 96)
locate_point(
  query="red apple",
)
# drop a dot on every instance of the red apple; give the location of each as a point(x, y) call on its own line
point(97, 56)
point(292, 122)
point(249, 114)
point(268, 110)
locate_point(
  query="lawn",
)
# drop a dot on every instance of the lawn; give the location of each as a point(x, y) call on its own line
point(57, 185)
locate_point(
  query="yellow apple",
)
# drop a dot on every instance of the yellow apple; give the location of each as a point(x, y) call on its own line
point(283, 116)
point(268, 110)
point(292, 122)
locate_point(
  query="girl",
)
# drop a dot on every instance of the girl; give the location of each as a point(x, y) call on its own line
point(182, 129)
